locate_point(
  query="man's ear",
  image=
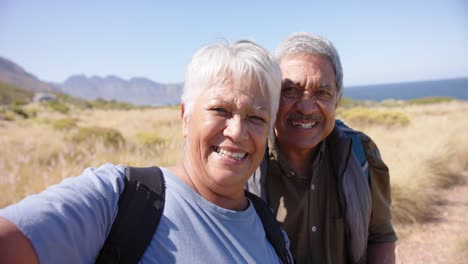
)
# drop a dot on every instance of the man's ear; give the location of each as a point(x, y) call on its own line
point(185, 119)
point(338, 101)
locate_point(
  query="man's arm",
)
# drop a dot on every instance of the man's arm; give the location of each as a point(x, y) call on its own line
point(15, 247)
point(382, 236)
point(382, 253)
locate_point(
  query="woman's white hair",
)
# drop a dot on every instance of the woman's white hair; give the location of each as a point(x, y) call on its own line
point(243, 61)
point(312, 44)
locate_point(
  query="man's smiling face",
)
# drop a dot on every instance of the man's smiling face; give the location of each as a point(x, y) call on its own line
point(309, 99)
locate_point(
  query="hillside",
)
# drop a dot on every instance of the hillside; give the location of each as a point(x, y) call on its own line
point(13, 74)
point(10, 94)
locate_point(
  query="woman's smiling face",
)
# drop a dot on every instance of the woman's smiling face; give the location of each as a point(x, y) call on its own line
point(226, 133)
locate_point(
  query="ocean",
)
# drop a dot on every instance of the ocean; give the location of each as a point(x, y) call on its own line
point(457, 88)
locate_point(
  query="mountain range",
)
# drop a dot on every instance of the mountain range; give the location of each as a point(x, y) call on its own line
point(143, 91)
point(138, 91)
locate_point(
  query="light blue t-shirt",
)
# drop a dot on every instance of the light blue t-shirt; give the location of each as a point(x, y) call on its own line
point(69, 222)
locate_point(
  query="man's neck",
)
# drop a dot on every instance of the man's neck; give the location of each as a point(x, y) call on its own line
point(301, 160)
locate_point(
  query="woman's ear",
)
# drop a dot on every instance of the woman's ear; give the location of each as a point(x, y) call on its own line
point(185, 119)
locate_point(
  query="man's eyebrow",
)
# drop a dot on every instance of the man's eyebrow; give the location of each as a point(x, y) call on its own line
point(290, 82)
point(287, 81)
point(327, 86)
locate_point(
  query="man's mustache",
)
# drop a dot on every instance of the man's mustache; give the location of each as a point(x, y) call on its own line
point(301, 117)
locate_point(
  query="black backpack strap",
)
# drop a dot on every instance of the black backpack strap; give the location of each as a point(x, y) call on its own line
point(272, 228)
point(140, 208)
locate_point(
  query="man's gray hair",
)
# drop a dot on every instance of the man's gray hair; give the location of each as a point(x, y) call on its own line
point(243, 61)
point(312, 44)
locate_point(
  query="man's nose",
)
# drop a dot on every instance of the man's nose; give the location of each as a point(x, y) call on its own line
point(307, 104)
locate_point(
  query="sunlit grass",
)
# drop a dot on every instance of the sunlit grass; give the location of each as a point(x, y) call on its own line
point(38, 153)
point(430, 153)
point(360, 116)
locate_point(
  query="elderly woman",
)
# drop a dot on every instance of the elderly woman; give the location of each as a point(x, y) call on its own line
point(229, 104)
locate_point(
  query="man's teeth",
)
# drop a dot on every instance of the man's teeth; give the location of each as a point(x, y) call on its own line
point(232, 155)
point(304, 125)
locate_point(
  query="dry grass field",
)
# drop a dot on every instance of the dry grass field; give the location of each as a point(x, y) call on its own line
point(425, 155)
point(424, 145)
point(38, 152)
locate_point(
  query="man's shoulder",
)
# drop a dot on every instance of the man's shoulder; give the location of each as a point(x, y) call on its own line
point(344, 130)
point(348, 130)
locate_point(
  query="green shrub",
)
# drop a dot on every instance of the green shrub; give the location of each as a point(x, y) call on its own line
point(348, 103)
point(430, 100)
point(70, 100)
point(6, 115)
point(24, 113)
point(112, 104)
point(109, 136)
point(57, 106)
point(374, 117)
point(10, 94)
point(64, 124)
point(149, 139)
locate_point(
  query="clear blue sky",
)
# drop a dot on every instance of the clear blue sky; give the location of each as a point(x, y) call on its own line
point(379, 41)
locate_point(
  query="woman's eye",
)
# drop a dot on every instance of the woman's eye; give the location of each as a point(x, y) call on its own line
point(257, 119)
point(220, 111)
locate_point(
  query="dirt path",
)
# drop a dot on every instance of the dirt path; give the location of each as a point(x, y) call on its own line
point(443, 239)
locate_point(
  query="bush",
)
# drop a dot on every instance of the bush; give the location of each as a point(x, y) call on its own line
point(6, 115)
point(64, 124)
point(24, 113)
point(431, 100)
point(348, 103)
point(111, 105)
point(149, 139)
point(366, 116)
point(109, 136)
point(57, 106)
point(70, 100)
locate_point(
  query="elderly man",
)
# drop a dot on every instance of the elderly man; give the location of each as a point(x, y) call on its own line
point(229, 105)
point(311, 179)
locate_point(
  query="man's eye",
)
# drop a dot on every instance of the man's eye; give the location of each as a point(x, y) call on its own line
point(323, 92)
point(290, 92)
